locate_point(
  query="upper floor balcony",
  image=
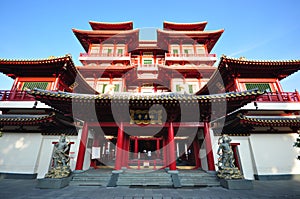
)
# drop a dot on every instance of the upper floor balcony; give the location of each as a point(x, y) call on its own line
point(190, 57)
point(279, 97)
point(7, 95)
point(104, 56)
point(147, 71)
point(147, 67)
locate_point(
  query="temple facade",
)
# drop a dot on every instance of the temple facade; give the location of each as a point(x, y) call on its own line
point(149, 105)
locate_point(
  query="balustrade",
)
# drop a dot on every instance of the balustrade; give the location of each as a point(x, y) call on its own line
point(6, 95)
point(280, 97)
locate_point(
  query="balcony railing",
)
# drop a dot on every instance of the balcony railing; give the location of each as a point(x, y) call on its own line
point(280, 97)
point(147, 67)
point(189, 55)
point(147, 71)
point(15, 96)
point(104, 56)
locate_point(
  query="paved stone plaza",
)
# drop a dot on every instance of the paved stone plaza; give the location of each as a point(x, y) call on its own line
point(17, 188)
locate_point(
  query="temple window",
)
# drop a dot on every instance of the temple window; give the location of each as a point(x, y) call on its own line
point(175, 51)
point(201, 50)
point(190, 88)
point(95, 50)
point(33, 85)
point(147, 61)
point(260, 86)
point(117, 87)
point(187, 49)
point(107, 50)
point(178, 88)
point(120, 51)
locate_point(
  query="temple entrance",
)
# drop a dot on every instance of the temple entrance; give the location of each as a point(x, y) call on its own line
point(145, 153)
point(135, 151)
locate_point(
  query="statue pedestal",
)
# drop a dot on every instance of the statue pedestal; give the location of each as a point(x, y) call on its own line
point(53, 183)
point(236, 183)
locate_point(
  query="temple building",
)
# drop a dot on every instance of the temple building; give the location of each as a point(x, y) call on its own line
point(149, 105)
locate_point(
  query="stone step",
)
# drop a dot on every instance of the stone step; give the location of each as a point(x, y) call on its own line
point(197, 178)
point(157, 179)
point(91, 178)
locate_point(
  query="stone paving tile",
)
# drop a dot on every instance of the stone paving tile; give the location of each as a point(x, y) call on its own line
point(25, 189)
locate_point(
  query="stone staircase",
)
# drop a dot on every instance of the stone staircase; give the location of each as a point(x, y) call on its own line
point(197, 178)
point(91, 177)
point(145, 178)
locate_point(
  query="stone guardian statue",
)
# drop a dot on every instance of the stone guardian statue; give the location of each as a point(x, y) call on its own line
point(227, 169)
point(60, 167)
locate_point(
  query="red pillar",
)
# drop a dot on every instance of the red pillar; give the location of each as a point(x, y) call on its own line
point(196, 153)
point(136, 147)
point(125, 150)
point(236, 157)
point(82, 147)
point(157, 148)
point(165, 157)
point(208, 146)
point(119, 148)
point(171, 144)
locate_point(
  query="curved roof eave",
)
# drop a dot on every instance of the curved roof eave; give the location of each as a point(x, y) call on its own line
point(227, 66)
point(126, 25)
point(184, 26)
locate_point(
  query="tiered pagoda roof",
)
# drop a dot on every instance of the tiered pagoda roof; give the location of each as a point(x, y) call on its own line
point(101, 104)
point(238, 123)
point(62, 67)
point(103, 71)
point(197, 26)
point(108, 33)
point(52, 123)
point(127, 25)
point(230, 68)
point(209, 38)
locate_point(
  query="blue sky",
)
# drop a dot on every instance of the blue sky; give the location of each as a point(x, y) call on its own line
point(256, 29)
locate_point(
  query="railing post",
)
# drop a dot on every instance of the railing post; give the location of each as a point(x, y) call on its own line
point(3, 96)
point(297, 94)
point(289, 97)
point(279, 96)
point(269, 96)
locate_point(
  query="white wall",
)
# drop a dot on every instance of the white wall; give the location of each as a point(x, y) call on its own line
point(275, 154)
point(30, 153)
point(19, 152)
point(88, 151)
point(46, 152)
point(245, 155)
point(265, 154)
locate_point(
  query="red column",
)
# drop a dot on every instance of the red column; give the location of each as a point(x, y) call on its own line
point(125, 150)
point(196, 153)
point(208, 146)
point(171, 145)
point(82, 147)
point(119, 148)
point(236, 157)
point(136, 147)
point(55, 85)
point(157, 148)
point(165, 158)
